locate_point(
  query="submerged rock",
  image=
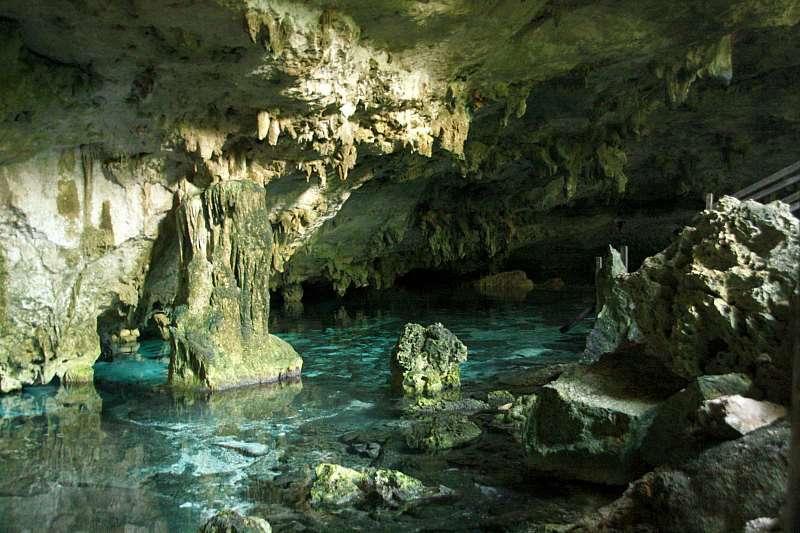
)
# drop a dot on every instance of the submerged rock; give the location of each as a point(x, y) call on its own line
point(441, 433)
point(426, 361)
point(513, 285)
point(721, 490)
point(233, 522)
point(220, 339)
point(337, 485)
point(715, 301)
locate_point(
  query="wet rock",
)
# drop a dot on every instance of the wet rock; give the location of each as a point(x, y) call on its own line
point(497, 398)
point(233, 522)
point(590, 422)
point(721, 490)
point(220, 339)
point(731, 417)
point(513, 285)
point(675, 433)
point(426, 361)
point(249, 449)
point(441, 433)
point(337, 485)
point(715, 300)
point(430, 406)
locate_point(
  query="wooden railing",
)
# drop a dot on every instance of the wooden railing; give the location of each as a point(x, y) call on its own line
point(784, 184)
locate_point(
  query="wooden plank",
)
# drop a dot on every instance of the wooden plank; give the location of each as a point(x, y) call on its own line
point(766, 181)
point(794, 207)
point(709, 201)
point(785, 182)
point(792, 198)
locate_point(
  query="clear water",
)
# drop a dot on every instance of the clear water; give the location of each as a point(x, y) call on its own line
point(128, 455)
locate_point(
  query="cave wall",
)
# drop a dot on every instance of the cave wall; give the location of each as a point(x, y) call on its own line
point(389, 136)
point(76, 233)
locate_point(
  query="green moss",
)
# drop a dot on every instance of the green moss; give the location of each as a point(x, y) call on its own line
point(67, 201)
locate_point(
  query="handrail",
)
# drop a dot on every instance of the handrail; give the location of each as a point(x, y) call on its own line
point(779, 181)
point(744, 193)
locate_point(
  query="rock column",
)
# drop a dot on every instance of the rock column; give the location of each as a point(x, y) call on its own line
point(220, 338)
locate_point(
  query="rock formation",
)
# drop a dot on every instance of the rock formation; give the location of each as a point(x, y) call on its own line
point(425, 361)
point(723, 489)
point(391, 136)
point(220, 339)
point(337, 485)
point(716, 300)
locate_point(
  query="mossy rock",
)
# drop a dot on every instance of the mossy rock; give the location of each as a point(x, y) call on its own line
point(441, 433)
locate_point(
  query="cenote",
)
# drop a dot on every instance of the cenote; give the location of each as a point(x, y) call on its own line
point(126, 453)
point(321, 266)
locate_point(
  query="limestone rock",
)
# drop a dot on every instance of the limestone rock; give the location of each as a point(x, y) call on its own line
point(425, 360)
point(337, 485)
point(730, 417)
point(722, 490)
point(75, 240)
point(513, 285)
point(589, 423)
point(233, 522)
point(676, 433)
point(714, 300)
point(441, 433)
point(220, 339)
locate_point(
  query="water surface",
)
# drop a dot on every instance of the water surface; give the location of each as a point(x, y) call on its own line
point(127, 455)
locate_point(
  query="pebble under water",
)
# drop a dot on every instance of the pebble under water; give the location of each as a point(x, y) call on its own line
point(128, 455)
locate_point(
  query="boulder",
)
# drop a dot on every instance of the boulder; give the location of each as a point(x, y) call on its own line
point(513, 285)
point(426, 361)
point(731, 417)
point(675, 433)
point(336, 485)
point(589, 423)
point(233, 522)
point(441, 433)
point(715, 301)
point(220, 338)
point(724, 489)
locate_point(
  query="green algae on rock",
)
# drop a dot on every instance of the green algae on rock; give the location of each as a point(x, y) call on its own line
point(220, 339)
point(336, 485)
point(425, 361)
point(441, 432)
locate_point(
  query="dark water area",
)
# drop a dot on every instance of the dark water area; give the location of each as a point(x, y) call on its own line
point(128, 455)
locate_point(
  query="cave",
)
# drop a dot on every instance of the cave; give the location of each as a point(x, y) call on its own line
point(399, 265)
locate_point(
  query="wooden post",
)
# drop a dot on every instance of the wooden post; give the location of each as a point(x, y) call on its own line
point(598, 266)
point(709, 201)
point(624, 251)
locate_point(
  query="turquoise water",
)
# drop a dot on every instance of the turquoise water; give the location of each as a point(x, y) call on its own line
point(128, 455)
